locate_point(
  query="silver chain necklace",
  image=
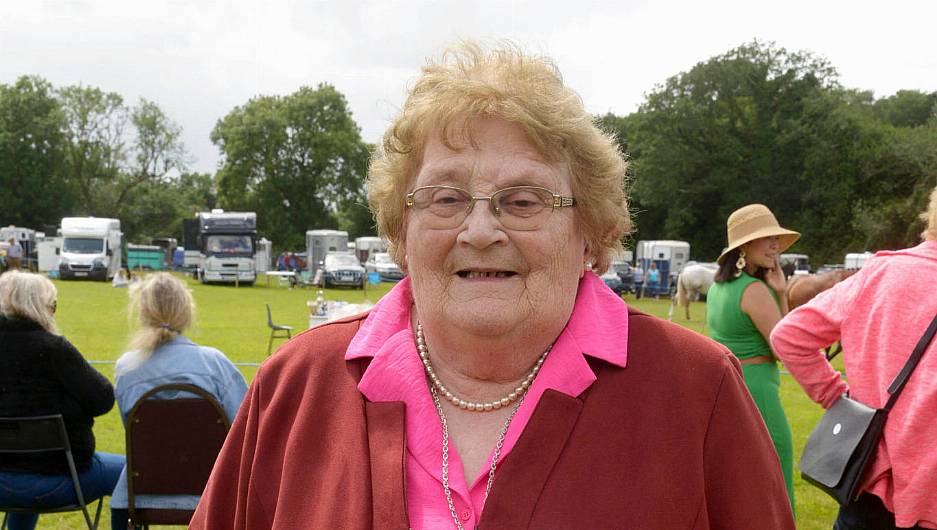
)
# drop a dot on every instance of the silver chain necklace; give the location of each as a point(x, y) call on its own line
point(445, 452)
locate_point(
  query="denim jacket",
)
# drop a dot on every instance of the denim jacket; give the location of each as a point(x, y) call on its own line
point(178, 361)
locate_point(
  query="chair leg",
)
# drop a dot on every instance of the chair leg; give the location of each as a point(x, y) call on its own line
point(97, 513)
point(270, 344)
point(4, 525)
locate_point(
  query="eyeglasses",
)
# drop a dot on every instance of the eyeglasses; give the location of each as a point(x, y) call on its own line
point(517, 207)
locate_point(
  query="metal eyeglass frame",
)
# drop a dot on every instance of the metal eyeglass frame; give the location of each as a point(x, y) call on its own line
point(559, 201)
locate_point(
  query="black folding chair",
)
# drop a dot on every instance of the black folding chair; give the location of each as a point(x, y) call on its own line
point(276, 331)
point(43, 434)
point(172, 445)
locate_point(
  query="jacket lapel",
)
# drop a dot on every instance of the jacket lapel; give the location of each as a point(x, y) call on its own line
point(523, 475)
point(387, 444)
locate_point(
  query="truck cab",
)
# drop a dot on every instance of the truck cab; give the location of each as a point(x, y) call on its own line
point(227, 244)
point(91, 248)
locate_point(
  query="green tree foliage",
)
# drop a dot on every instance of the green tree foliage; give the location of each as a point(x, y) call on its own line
point(907, 108)
point(95, 152)
point(762, 124)
point(158, 207)
point(297, 160)
point(33, 189)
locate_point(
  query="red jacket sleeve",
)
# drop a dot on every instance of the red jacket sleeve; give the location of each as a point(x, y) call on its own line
point(744, 484)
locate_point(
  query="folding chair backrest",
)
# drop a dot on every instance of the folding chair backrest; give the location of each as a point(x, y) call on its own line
point(269, 318)
point(172, 443)
point(33, 434)
point(39, 434)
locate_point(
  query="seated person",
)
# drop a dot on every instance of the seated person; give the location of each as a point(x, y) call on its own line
point(121, 279)
point(160, 354)
point(43, 373)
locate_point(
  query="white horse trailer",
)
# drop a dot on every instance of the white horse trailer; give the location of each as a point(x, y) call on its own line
point(321, 242)
point(856, 260)
point(670, 256)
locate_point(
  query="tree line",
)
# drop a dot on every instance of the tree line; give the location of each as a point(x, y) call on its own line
point(763, 124)
point(755, 124)
point(296, 160)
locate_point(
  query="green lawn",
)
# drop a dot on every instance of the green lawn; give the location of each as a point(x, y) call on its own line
point(94, 317)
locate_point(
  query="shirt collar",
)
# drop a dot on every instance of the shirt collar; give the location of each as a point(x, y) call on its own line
point(598, 327)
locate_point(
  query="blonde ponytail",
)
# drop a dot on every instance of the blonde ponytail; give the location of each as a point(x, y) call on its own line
point(165, 307)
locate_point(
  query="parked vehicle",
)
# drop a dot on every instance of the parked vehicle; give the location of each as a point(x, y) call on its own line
point(226, 243)
point(321, 242)
point(91, 248)
point(342, 268)
point(168, 244)
point(794, 264)
point(27, 239)
point(365, 246)
point(620, 265)
point(150, 257)
point(47, 253)
point(383, 264)
point(613, 281)
point(856, 260)
point(670, 257)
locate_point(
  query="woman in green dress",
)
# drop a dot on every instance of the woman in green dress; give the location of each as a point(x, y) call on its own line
point(743, 306)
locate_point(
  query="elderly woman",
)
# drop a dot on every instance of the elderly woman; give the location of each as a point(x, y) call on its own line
point(42, 373)
point(501, 385)
point(878, 316)
point(743, 306)
point(160, 354)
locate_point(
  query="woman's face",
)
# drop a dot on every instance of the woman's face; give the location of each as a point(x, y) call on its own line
point(480, 276)
point(763, 252)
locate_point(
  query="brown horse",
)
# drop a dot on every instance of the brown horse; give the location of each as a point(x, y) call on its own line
point(802, 289)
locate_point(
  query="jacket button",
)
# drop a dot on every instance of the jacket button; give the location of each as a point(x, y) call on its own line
point(466, 514)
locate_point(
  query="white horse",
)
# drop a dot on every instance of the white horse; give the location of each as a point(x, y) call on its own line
point(694, 280)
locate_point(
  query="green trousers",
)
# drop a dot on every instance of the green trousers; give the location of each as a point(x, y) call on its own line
point(763, 382)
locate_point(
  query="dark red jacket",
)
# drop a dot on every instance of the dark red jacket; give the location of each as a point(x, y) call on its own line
point(673, 441)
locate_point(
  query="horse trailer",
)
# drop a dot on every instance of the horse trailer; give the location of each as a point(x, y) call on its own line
point(321, 242)
point(856, 260)
point(668, 255)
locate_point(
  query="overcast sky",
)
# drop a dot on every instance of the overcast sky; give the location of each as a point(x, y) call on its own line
point(198, 59)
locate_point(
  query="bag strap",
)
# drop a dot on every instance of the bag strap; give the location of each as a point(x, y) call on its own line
point(898, 384)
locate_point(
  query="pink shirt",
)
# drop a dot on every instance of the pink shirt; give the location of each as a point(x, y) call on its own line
point(878, 315)
point(598, 327)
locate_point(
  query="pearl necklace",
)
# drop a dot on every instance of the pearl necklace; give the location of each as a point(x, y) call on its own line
point(471, 405)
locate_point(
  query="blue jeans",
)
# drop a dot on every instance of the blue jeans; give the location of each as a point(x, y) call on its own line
point(866, 513)
point(51, 491)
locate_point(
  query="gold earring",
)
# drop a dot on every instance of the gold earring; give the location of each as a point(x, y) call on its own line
point(740, 263)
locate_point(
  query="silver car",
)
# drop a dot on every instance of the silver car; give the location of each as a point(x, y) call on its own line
point(342, 268)
point(383, 264)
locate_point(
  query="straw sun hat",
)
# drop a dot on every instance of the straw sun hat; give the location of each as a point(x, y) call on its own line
point(754, 221)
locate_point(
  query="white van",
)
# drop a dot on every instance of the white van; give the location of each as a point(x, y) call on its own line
point(91, 248)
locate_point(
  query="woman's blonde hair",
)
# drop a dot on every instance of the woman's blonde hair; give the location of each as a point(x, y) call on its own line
point(28, 296)
point(165, 307)
point(470, 81)
point(930, 217)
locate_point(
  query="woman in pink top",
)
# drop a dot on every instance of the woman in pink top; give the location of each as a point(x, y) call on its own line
point(878, 316)
point(500, 385)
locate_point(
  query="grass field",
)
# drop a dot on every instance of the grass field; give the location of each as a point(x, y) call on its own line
point(93, 316)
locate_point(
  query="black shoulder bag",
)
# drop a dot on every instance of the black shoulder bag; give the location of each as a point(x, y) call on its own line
point(842, 445)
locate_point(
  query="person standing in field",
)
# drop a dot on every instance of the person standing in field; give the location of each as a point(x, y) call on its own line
point(14, 254)
point(743, 306)
point(878, 315)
